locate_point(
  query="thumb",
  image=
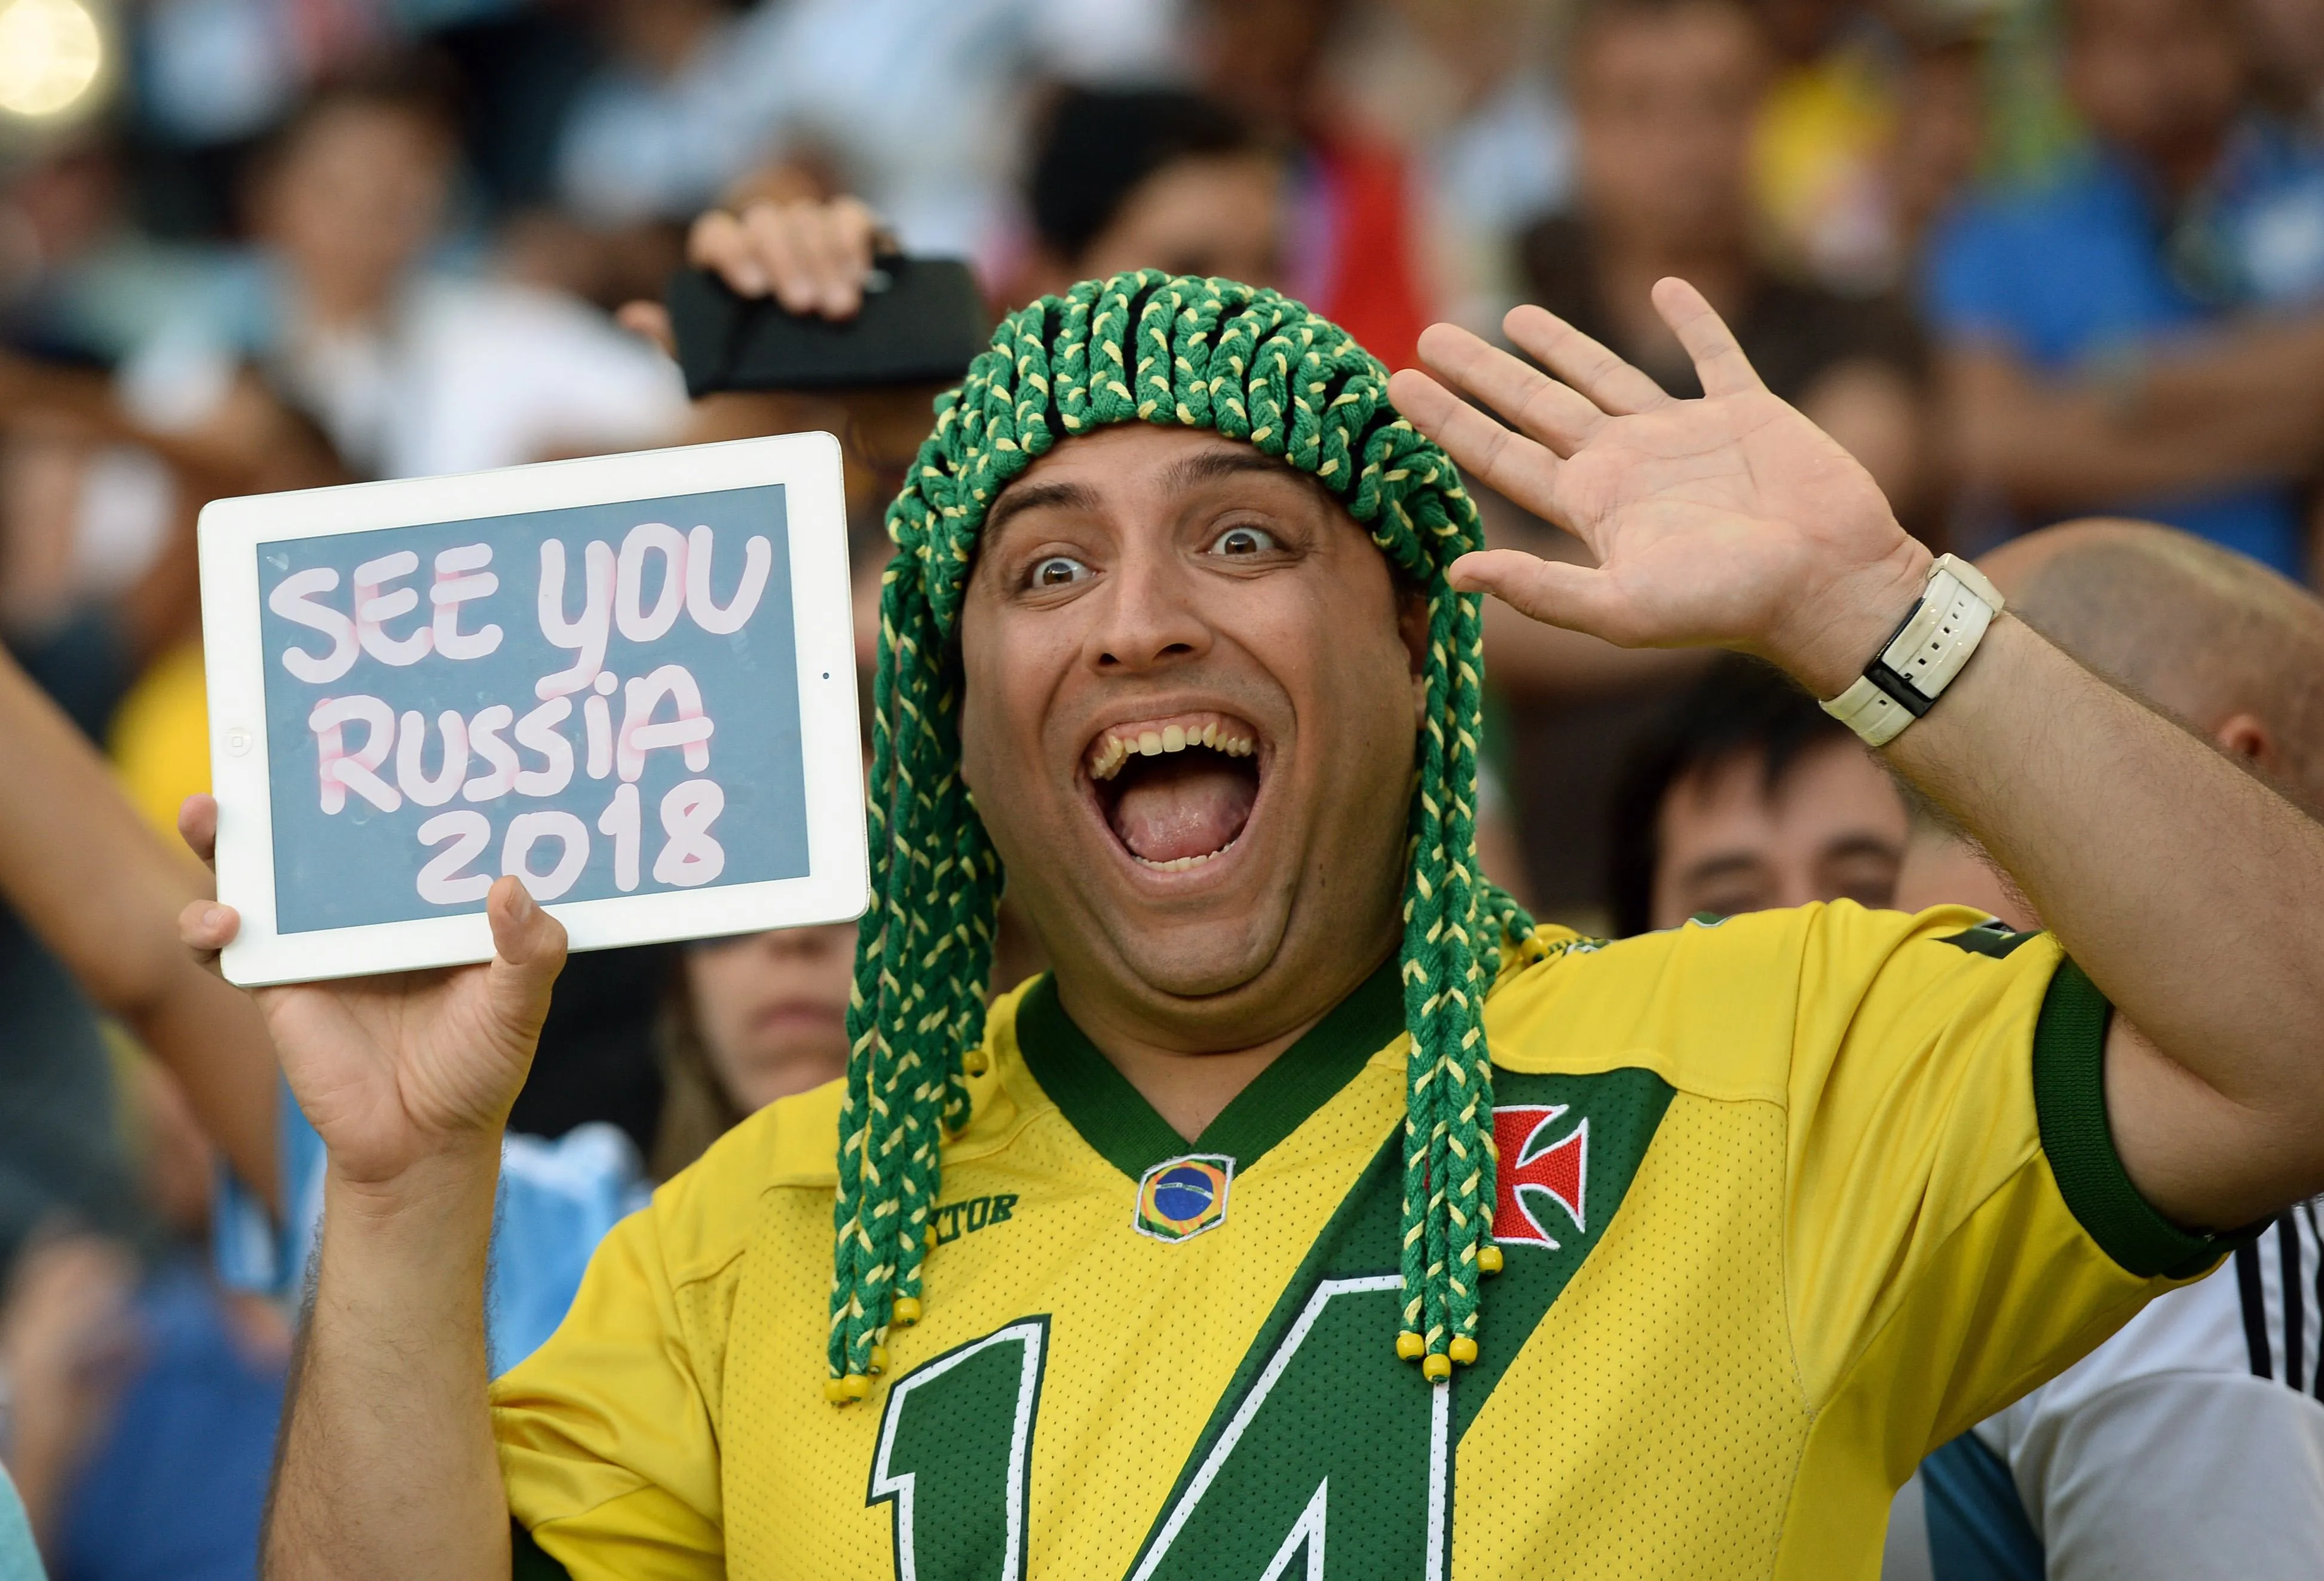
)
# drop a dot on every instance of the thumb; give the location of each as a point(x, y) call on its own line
point(650, 321)
point(1556, 593)
point(527, 953)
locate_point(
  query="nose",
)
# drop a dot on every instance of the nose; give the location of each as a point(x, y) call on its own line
point(1152, 617)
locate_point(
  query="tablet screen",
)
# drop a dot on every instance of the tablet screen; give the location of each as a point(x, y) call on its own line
point(603, 699)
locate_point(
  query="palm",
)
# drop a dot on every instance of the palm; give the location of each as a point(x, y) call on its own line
point(1731, 519)
point(387, 1068)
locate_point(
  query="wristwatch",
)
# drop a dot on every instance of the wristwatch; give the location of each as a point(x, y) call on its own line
point(1928, 648)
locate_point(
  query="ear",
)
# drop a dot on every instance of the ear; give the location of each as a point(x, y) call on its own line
point(1412, 629)
point(2246, 737)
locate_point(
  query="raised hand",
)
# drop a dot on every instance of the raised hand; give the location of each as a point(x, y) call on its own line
point(395, 1069)
point(1731, 520)
point(811, 256)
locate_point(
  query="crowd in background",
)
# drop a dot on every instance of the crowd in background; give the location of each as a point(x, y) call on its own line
point(2027, 258)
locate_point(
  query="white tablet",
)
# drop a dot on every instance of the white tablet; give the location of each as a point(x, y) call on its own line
point(629, 680)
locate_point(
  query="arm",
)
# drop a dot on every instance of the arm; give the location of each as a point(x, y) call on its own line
point(2169, 1473)
point(386, 1466)
point(103, 893)
point(1734, 521)
point(2246, 407)
point(66, 1347)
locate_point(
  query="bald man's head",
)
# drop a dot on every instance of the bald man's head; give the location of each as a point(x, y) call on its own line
point(2197, 630)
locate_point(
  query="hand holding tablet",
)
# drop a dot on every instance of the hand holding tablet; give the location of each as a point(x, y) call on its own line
point(627, 681)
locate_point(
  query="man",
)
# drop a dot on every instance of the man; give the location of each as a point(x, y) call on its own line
point(1150, 178)
point(1667, 94)
point(2146, 327)
point(407, 370)
point(1744, 796)
point(1780, 1203)
point(2194, 1438)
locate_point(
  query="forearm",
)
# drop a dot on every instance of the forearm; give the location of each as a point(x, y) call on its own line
point(2183, 886)
point(2077, 445)
point(103, 892)
point(387, 1467)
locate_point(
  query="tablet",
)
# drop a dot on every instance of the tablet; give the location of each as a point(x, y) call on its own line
point(629, 680)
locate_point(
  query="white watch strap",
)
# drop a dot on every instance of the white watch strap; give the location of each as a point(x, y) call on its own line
point(1871, 713)
point(1908, 676)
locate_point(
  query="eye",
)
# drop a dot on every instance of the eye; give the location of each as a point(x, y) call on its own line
point(1058, 571)
point(1242, 542)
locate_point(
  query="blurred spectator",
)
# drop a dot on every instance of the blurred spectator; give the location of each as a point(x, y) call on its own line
point(1469, 88)
point(20, 1557)
point(1666, 93)
point(79, 284)
point(1352, 250)
point(1150, 178)
point(746, 1021)
point(143, 1399)
point(59, 1147)
point(1822, 146)
point(1745, 797)
point(918, 105)
point(2192, 1443)
point(2147, 324)
point(656, 133)
point(2287, 49)
point(408, 370)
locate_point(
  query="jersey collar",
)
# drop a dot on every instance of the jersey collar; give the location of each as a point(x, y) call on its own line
point(1111, 1115)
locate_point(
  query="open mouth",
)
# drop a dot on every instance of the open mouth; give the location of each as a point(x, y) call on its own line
point(1175, 792)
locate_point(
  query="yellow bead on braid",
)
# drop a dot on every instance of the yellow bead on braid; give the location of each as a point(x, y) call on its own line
point(1253, 365)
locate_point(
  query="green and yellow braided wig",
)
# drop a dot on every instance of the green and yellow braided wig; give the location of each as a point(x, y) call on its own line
point(1252, 365)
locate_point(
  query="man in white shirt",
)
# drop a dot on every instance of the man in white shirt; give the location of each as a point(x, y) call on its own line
point(2191, 1444)
point(406, 370)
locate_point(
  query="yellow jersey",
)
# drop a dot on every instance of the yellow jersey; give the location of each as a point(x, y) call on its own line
point(1785, 1202)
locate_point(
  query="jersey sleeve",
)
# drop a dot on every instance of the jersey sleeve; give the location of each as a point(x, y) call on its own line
point(608, 1443)
point(1959, 1227)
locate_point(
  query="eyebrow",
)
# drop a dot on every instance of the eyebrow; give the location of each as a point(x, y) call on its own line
point(1208, 466)
point(1022, 497)
point(1721, 866)
point(1859, 845)
point(1225, 462)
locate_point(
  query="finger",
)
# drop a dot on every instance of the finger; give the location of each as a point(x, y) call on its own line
point(1719, 362)
point(205, 927)
point(718, 243)
point(1525, 471)
point(854, 234)
point(838, 276)
point(527, 953)
point(1534, 403)
point(775, 242)
point(649, 321)
point(1557, 592)
point(1606, 378)
point(197, 827)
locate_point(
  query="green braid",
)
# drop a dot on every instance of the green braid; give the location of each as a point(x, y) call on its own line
point(1252, 365)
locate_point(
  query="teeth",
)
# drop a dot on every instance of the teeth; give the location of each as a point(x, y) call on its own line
point(1180, 864)
point(1119, 750)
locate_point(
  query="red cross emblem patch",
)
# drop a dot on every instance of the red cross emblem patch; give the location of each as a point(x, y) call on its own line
point(1534, 1166)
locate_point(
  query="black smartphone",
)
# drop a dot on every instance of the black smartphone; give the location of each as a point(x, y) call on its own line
point(923, 322)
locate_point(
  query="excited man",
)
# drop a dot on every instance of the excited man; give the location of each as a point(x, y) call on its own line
point(1698, 1240)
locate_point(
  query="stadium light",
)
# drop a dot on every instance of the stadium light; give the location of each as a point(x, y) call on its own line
point(51, 52)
